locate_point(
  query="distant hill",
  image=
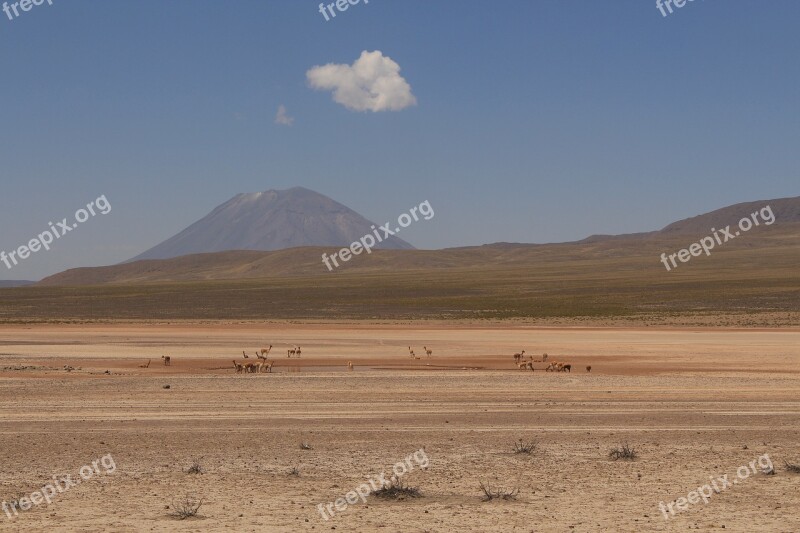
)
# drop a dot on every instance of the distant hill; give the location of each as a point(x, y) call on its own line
point(271, 220)
point(785, 210)
point(752, 281)
point(635, 249)
point(15, 283)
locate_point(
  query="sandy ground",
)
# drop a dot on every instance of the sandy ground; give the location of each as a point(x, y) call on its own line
point(694, 404)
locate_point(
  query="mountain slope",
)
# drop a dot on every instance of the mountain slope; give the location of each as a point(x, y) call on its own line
point(271, 220)
point(784, 210)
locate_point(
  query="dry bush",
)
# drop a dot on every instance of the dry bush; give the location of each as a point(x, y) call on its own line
point(196, 466)
point(295, 471)
point(186, 508)
point(396, 490)
point(792, 467)
point(625, 452)
point(525, 447)
point(13, 502)
point(497, 494)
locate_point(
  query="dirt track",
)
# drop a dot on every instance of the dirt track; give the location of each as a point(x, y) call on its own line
point(688, 401)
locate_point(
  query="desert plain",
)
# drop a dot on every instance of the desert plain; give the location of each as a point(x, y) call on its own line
point(695, 404)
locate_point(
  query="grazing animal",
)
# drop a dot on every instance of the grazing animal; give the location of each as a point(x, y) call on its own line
point(553, 367)
point(413, 356)
point(350, 366)
point(589, 368)
point(245, 355)
point(291, 352)
point(525, 365)
point(519, 356)
point(267, 366)
point(566, 368)
point(167, 360)
point(146, 365)
point(239, 368)
point(297, 351)
point(428, 351)
point(252, 368)
point(265, 351)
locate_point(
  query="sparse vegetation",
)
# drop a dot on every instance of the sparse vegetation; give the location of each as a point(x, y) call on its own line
point(397, 490)
point(625, 452)
point(792, 467)
point(490, 289)
point(13, 502)
point(186, 508)
point(196, 466)
point(295, 471)
point(525, 447)
point(490, 494)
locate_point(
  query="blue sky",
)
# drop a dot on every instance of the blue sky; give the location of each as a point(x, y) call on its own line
point(535, 121)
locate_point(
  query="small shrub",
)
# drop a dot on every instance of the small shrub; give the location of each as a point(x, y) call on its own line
point(295, 471)
point(625, 452)
point(490, 494)
point(196, 467)
point(13, 503)
point(186, 508)
point(396, 490)
point(524, 447)
point(792, 467)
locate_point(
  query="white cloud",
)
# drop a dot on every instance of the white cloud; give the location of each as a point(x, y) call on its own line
point(372, 83)
point(282, 117)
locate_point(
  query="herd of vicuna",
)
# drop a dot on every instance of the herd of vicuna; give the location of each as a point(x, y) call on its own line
point(263, 365)
point(552, 366)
